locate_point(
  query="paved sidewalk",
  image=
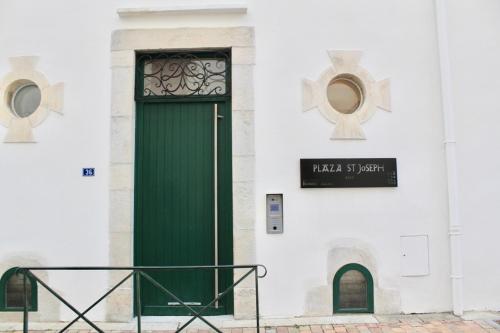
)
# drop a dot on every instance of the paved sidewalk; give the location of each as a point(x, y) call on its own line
point(410, 326)
point(419, 323)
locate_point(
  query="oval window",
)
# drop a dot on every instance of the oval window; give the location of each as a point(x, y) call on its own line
point(25, 100)
point(345, 94)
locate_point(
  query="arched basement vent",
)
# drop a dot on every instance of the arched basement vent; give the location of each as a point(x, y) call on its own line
point(12, 291)
point(353, 290)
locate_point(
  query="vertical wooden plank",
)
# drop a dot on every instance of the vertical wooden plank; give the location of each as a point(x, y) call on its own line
point(174, 212)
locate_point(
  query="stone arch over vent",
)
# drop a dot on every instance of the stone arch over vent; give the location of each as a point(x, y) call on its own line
point(48, 305)
point(319, 299)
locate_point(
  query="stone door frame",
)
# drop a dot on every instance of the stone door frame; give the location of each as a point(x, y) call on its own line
point(121, 187)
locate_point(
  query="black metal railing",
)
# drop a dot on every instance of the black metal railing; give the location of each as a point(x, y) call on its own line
point(137, 273)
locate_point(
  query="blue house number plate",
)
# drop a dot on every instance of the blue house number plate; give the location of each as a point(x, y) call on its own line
point(88, 172)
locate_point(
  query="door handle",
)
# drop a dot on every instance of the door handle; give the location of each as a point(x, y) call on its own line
point(216, 205)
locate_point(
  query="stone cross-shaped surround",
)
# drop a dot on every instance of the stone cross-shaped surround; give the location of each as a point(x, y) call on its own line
point(124, 45)
point(24, 71)
point(376, 94)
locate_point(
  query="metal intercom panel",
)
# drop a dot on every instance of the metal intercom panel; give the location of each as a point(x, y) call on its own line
point(274, 213)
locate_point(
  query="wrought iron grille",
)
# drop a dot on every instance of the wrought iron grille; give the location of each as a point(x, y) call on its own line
point(183, 74)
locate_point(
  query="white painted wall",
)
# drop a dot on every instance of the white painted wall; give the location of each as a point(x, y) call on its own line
point(64, 217)
point(475, 50)
point(396, 46)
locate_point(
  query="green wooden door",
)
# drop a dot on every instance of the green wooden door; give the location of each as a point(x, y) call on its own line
point(175, 202)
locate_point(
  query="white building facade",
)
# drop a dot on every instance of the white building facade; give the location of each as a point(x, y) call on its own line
point(416, 82)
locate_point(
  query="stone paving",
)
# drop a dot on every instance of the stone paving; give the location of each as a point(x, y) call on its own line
point(410, 326)
point(431, 323)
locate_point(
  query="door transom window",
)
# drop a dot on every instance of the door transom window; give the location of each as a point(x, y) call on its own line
point(183, 74)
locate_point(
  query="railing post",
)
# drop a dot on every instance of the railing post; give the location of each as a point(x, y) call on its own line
point(25, 310)
point(256, 270)
point(138, 308)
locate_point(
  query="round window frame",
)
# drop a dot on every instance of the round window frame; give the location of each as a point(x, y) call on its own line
point(23, 69)
point(354, 81)
point(369, 290)
point(14, 89)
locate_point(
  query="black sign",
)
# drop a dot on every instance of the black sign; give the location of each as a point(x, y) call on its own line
point(348, 172)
